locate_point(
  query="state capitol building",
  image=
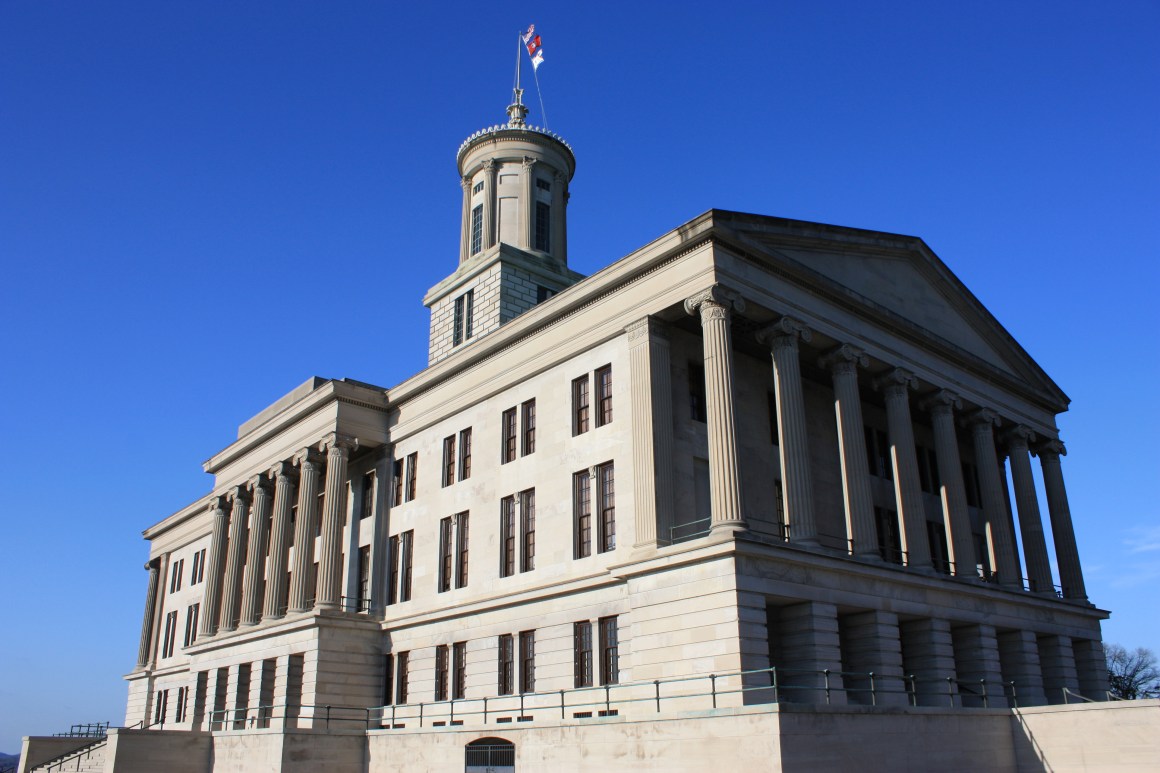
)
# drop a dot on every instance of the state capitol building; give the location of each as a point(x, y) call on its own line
point(758, 470)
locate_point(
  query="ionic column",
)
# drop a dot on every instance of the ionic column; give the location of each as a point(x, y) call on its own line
point(489, 202)
point(994, 502)
point(1066, 553)
point(559, 239)
point(896, 386)
point(309, 473)
point(713, 305)
point(843, 363)
point(256, 565)
point(330, 550)
point(941, 406)
point(236, 559)
point(782, 339)
point(283, 475)
point(652, 430)
point(211, 601)
point(1027, 501)
point(154, 568)
point(528, 232)
point(380, 535)
point(465, 231)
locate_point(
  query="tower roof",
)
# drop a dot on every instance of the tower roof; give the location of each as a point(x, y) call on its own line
point(516, 129)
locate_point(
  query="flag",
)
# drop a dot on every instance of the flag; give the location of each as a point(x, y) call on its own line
point(537, 60)
point(529, 33)
point(533, 45)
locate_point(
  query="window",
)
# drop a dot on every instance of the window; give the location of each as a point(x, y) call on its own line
point(543, 226)
point(476, 230)
point(364, 578)
point(528, 530)
point(527, 661)
point(607, 508)
point(543, 293)
point(388, 679)
point(461, 550)
point(464, 318)
point(175, 578)
point(445, 554)
point(403, 659)
point(449, 461)
point(441, 672)
point(697, 392)
point(170, 639)
point(459, 670)
point(936, 536)
point(197, 572)
point(506, 664)
point(582, 506)
point(580, 405)
point(971, 484)
point(543, 185)
point(609, 651)
point(191, 614)
point(507, 450)
point(412, 475)
point(889, 541)
point(477, 188)
point(162, 707)
point(928, 479)
point(368, 496)
point(179, 709)
point(393, 579)
point(465, 454)
point(397, 475)
point(528, 412)
point(507, 536)
point(878, 453)
point(582, 653)
point(604, 396)
point(453, 551)
point(399, 587)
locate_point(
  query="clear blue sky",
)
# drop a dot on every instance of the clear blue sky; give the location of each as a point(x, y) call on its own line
point(203, 204)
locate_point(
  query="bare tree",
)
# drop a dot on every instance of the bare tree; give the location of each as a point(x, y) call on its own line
point(1132, 674)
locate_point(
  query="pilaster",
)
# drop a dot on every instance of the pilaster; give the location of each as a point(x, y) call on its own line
point(1019, 662)
point(871, 644)
point(1058, 661)
point(528, 191)
point(1091, 668)
point(977, 666)
point(650, 374)
point(928, 654)
point(490, 202)
point(809, 646)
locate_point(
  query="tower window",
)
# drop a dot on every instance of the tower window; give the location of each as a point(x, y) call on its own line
point(543, 223)
point(477, 188)
point(464, 317)
point(543, 185)
point(477, 229)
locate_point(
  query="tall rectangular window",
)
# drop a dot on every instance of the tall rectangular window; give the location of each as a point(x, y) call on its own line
point(528, 530)
point(170, 640)
point(161, 708)
point(697, 392)
point(477, 229)
point(543, 227)
point(527, 661)
point(368, 496)
point(406, 550)
point(191, 615)
point(197, 574)
point(604, 396)
point(404, 663)
point(445, 554)
point(412, 475)
point(971, 484)
point(582, 654)
point(878, 453)
point(179, 709)
point(461, 550)
point(889, 539)
point(582, 507)
point(175, 580)
point(528, 409)
point(393, 577)
point(464, 319)
point(388, 679)
point(607, 507)
point(506, 664)
point(441, 656)
point(397, 477)
point(609, 651)
point(507, 536)
point(465, 454)
point(364, 578)
point(449, 461)
point(580, 405)
point(459, 670)
point(507, 451)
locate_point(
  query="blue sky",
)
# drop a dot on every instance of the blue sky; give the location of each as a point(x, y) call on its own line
point(203, 204)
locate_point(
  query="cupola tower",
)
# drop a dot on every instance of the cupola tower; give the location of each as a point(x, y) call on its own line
point(513, 244)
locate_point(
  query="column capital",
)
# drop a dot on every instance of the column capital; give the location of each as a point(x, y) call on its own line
point(785, 332)
point(646, 327)
point(715, 296)
point(561, 177)
point(942, 401)
point(983, 418)
point(844, 359)
point(1051, 448)
point(528, 163)
point(897, 379)
point(465, 183)
point(307, 457)
point(335, 443)
point(488, 164)
point(152, 565)
point(215, 507)
point(1018, 437)
point(258, 481)
point(284, 469)
point(240, 492)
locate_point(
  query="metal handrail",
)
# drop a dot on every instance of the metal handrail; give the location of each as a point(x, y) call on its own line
point(674, 538)
point(355, 604)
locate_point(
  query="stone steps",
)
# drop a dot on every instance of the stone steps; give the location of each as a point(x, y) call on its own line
point(87, 761)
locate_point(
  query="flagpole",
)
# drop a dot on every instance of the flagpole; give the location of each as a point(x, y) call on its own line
point(519, 45)
point(540, 94)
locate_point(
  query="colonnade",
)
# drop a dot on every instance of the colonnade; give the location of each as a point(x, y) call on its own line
point(898, 386)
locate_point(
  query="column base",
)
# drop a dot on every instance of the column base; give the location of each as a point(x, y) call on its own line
point(728, 527)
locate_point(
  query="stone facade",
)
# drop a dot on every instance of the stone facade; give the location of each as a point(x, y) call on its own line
point(757, 461)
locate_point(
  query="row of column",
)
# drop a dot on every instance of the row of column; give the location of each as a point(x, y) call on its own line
point(240, 587)
point(714, 306)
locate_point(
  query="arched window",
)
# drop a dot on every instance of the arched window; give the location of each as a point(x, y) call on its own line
point(490, 755)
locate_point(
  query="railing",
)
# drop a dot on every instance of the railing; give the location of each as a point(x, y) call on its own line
point(90, 730)
point(355, 604)
point(684, 531)
point(292, 715)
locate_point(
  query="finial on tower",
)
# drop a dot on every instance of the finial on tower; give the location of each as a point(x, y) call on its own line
point(517, 111)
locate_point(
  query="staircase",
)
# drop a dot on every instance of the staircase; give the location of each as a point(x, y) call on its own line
point(90, 759)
